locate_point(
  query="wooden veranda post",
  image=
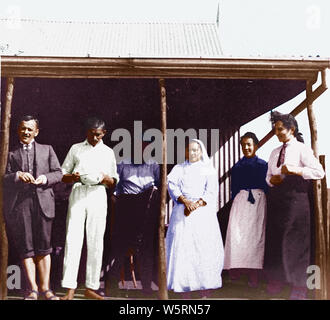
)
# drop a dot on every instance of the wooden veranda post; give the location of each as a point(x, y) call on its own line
point(4, 147)
point(320, 249)
point(163, 294)
point(326, 221)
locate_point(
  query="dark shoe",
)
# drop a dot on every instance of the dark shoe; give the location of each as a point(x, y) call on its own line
point(49, 295)
point(32, 295)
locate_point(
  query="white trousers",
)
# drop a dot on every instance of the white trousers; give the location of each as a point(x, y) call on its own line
point(87, 206)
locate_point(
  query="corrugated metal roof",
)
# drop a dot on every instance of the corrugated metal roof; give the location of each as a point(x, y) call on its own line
point(94, 39)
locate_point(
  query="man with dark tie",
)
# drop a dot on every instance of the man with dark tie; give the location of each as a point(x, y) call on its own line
point(29, 205)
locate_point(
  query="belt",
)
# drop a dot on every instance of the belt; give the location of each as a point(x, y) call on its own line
point(80, 183)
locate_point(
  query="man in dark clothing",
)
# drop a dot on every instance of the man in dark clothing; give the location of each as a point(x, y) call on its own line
point(29, 205)
point(135, 220)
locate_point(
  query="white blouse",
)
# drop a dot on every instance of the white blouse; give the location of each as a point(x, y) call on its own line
point(299, 155)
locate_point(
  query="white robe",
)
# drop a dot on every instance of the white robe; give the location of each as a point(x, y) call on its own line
point(194, 246)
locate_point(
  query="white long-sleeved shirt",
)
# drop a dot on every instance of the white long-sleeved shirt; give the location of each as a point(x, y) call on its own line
point(296, 154)
point(86, 159)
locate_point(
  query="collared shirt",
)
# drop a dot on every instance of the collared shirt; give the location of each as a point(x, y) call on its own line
point(136, 178)
point(28, 147)
point(86, 159)
point(299, 155)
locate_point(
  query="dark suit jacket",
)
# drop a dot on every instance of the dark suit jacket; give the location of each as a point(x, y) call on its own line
point(46, 163)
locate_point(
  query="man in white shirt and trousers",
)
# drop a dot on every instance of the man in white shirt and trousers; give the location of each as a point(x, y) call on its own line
point(91, 166)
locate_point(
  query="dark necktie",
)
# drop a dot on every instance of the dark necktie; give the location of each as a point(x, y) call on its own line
point(281, 157)
point(27, 148)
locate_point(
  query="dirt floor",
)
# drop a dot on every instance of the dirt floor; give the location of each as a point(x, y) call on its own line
point(231, 290)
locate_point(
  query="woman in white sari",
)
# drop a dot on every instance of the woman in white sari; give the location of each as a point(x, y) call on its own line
point(194, 246)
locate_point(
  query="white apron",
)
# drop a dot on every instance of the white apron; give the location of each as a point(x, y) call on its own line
point(245, 240)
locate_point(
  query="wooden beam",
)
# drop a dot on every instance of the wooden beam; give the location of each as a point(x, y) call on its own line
point(4, 148)
point(117, 73)
point(320, 238)
point(220, 68)
point(230, 63)
point(301, 107)
point(162, 283)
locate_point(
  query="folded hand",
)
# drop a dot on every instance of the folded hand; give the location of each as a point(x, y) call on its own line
point(190, 206)
point(107, 180)
point(26, 177)
point(39, 180)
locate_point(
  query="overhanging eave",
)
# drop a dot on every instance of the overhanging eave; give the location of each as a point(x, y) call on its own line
point(222, 68)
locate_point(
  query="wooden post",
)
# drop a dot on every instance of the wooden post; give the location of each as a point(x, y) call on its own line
point(163, 294)
point(4, 147)
point(320, 238)
point(326, 221)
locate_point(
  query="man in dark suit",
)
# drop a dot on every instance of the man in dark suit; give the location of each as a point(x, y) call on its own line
point(29, 205)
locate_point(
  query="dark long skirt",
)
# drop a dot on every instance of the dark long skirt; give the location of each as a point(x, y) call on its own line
point(288, 233)
point(135, 227)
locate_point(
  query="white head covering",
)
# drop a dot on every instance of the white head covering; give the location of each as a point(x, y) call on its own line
point(207, 167)
point(205, 158)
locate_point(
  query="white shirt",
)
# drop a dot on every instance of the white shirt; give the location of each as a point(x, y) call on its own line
point(86, 159)
point(296, 154)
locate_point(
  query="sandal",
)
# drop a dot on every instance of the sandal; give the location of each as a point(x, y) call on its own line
point(30, 295)
point(51, 297)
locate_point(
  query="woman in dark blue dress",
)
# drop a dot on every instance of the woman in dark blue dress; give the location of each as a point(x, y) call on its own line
point(245, 239)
